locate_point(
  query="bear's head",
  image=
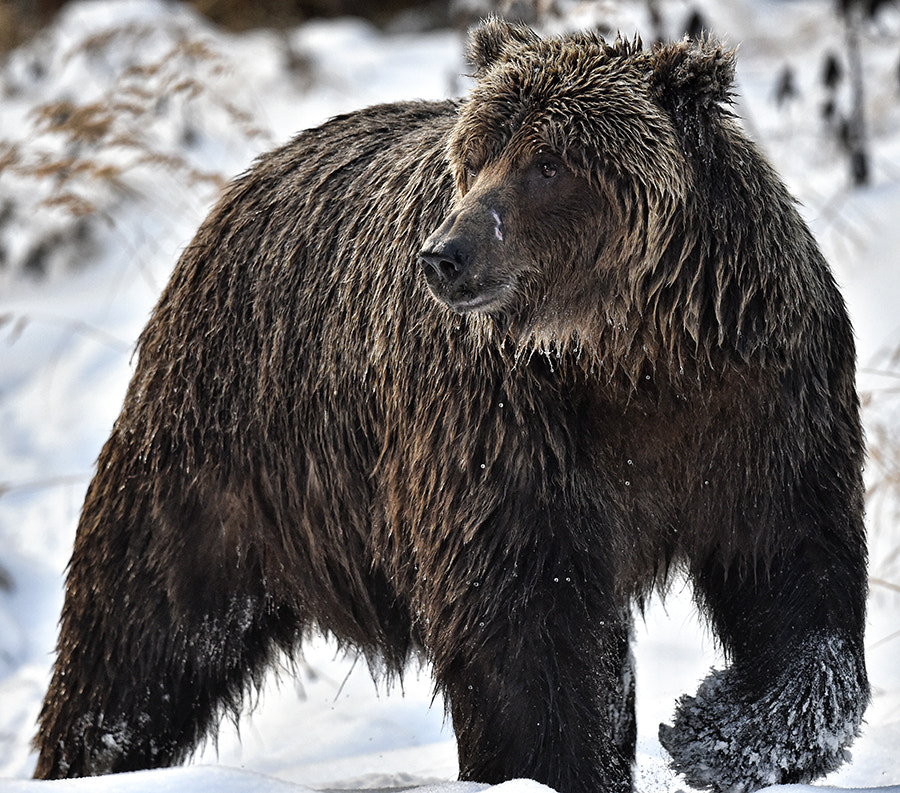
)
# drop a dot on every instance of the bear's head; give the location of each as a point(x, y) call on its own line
point(572, 157)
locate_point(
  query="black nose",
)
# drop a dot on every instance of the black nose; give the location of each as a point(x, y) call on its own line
point(448, 260)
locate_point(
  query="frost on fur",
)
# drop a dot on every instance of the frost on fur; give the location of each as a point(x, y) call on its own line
point(725, 739)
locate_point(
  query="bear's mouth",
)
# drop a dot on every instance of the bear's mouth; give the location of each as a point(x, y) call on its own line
point(464, 301)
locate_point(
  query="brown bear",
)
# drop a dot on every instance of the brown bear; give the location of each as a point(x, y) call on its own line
point(468, 380)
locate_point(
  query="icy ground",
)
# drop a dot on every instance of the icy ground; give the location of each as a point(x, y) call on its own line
point(101, 203)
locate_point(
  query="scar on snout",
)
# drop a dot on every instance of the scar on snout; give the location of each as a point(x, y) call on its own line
point(498, 225)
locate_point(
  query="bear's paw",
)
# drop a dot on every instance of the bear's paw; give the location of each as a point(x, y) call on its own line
point(796, 730)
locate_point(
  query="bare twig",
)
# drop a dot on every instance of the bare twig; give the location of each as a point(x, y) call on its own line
point(886, 584)
point(41, 484)
point(20, 322)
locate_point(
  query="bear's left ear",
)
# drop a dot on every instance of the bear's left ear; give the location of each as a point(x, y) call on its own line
point(493, 40)
point(692, 75)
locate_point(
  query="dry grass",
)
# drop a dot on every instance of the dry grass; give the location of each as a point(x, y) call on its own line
point(123, 121)
point(881, 411)
point(79, 158)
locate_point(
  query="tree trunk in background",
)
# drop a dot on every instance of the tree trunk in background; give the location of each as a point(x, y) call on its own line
point(856, 135)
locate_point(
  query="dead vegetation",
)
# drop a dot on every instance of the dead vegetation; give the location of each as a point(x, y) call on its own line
point(881, 411)
point(79, 155)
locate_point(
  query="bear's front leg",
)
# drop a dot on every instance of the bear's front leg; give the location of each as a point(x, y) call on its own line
point(792, 701)
point(542, 687)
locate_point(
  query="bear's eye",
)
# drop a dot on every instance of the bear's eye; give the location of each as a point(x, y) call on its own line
point(471, 171)
point(548, 169)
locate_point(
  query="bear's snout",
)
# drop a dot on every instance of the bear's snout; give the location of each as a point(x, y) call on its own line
point(463, 263)
point(445, 261)
point(459, 273)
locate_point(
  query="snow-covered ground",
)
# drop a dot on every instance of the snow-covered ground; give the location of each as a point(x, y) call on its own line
point(194, 105)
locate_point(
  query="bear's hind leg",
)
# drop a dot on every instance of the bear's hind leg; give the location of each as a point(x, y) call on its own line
point(167, 622)
point(147, 698)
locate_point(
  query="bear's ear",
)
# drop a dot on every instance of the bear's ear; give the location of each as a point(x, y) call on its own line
point(493, 39)
point(692, 75)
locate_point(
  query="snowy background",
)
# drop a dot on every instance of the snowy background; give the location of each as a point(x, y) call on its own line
point(118, 125)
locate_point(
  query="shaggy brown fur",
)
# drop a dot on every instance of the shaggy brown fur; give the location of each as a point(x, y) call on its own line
point(637, 358)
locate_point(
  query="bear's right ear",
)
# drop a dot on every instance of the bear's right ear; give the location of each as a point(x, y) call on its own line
point(693, 74)
point(492, 41)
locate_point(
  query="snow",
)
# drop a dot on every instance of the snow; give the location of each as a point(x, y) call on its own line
point(211, 779)
point(66, 339)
